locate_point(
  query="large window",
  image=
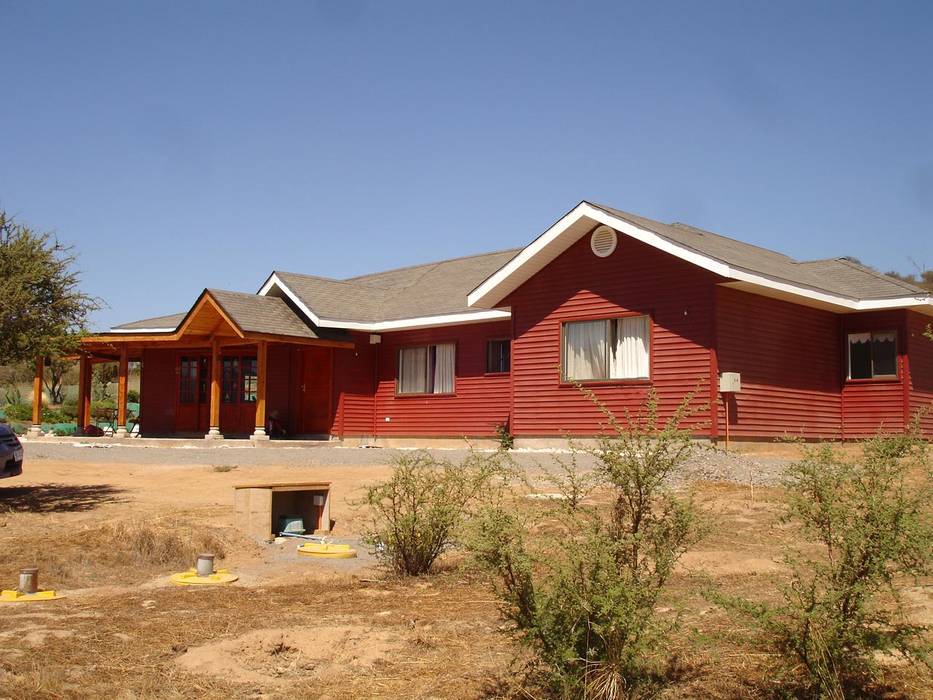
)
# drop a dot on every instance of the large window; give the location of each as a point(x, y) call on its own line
point(249, 380)
point(497, 356)
point(615, 348)
point(188, 380)
point(872, 355)
point(230, 379)
point(426, 369)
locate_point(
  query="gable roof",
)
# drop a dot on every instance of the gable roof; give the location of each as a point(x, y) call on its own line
point(419, 295)
point(249, 313)
point(468, 289)
point(837, 284)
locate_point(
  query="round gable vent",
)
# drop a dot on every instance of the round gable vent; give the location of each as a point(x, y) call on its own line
point(603, 241)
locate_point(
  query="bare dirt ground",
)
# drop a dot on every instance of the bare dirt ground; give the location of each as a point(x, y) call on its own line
point(107, 527)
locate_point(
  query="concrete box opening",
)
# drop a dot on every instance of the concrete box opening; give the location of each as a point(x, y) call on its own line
point(261, 509)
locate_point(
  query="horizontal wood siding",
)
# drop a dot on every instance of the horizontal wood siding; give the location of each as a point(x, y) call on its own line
point(158, 384)
point(279, 385)
point(920, 352)
point(353, 388)
point(578, 286)
point(870, 405)
point(790, 362)
point(480, 401)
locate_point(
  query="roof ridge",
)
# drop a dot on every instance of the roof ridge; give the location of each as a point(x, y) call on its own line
point(432, 263)
point(315, 277)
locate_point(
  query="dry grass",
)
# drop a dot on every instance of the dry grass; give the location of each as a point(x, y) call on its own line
point(117, 552)
point(449, 639)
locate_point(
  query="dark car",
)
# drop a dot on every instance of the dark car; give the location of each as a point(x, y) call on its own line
point(11, 453)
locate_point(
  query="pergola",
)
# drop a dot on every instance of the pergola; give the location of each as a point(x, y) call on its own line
point(218, 319)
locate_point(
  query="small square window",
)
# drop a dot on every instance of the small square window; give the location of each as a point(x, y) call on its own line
point(872, 355)
point(498, 356)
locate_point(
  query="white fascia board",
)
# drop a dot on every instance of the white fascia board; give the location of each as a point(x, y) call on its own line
point(381, 326)
point(491, 291)
point(143, 330)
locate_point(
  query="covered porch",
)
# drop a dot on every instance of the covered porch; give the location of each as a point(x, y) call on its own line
point(235, 365)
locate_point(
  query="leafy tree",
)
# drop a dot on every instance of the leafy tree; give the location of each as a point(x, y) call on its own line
point(42, 310)
point(54, 379)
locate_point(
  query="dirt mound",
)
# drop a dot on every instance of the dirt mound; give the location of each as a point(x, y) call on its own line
point(286, 654)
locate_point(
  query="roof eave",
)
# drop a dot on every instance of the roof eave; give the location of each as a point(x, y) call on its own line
point(567, 230)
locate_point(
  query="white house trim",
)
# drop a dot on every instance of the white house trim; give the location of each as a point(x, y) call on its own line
point(143, 330)
point(554, 241)
point(379, 326)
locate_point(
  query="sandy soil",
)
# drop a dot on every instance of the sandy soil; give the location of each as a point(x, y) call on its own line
point(298, 627)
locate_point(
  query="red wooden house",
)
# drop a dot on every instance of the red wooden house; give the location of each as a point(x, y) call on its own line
point(620, 303)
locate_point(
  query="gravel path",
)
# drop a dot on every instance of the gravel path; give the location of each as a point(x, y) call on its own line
point(707, 464)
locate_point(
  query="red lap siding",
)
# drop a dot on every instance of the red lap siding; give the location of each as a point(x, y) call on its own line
point(578, 286)
point(920, 351)
point(480, 401)
point(868, 406)
point(353, 387)
point(790, 362)
point(158, 385)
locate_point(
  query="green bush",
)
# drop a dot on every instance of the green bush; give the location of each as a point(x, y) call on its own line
point(870, 520)
point(69, 408)
point(18, 411)
point(419, 511)
point(583, 589)
point(132, 396)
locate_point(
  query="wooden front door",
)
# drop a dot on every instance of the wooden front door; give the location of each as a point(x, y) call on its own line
point(314, 392)
point(238, 382)
point(193, 398)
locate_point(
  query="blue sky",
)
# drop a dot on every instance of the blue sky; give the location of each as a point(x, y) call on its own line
point(188, 145)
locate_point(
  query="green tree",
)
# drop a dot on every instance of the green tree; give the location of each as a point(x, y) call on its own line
point(42, 309)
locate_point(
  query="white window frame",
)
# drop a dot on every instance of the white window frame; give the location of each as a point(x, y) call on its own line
point(429, 369)
point(611, 329)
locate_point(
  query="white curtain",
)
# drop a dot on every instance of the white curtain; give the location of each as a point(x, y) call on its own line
point(856, 338)
point(585, 344)
point(444, 368)
point(412, 370)
point(630, 354)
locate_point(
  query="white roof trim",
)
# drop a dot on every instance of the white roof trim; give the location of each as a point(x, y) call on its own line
point(381, 326)
point(553, 241)
point(143, 330)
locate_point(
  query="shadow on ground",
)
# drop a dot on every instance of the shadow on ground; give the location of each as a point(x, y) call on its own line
point(58, 498)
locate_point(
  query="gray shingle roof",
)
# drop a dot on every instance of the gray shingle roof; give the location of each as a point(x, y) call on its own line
point(430, 289)
point(836, 276)
point(438, 288)
point(168, 323)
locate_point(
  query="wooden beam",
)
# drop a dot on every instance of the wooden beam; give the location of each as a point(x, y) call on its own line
point(214, 431)
point(261, 364)
point(37, 397)
point(122, 371)
point(84, 393)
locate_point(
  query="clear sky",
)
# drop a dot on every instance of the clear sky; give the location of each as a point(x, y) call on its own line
point(203, 144)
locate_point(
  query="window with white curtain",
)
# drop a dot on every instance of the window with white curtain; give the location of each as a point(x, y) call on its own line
point(872, 355)
point(614, 348)
point(426, 369)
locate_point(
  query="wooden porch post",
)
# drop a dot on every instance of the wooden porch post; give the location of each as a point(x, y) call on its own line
point(214, 432)
point(122, 370)
point(36, 429)
point(261, 360)
point(84, 395)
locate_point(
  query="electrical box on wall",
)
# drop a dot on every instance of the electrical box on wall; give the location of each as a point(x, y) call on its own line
point(730, 382)
point(375, 339)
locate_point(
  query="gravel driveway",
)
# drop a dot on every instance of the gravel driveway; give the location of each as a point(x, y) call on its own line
point(707, 464)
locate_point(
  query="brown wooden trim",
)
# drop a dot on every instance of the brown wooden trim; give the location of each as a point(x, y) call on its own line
point(84, 394)
point(37, 392)
point(215, 386)
point(261, 364)
point(122, 371)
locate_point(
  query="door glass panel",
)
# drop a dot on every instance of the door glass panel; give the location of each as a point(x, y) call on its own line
point(231, 380)
point(250, 380)
point(187, 380)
